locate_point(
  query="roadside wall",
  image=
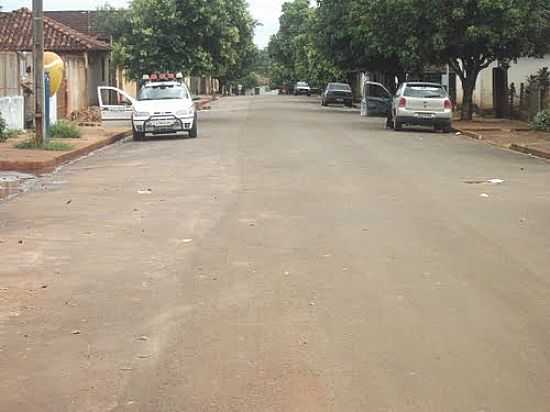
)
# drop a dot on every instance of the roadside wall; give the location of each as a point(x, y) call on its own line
point(98, 74)
point(9, 74)
point(517, 74)
point(76, 91)
point(12, 111)
point(130, 87)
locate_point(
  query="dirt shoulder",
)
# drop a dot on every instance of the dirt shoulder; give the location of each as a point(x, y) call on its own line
point(511, 134)
point(44, 161)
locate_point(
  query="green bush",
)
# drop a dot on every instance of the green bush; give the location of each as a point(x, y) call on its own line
point(541, 121)
point(30, 144)
point(3, 129)
point(11, 133)
point(64, 130)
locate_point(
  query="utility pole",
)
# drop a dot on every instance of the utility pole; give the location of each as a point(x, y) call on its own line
point(38, 68)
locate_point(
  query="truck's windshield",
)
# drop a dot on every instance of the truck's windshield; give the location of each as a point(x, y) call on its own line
point(162, 93)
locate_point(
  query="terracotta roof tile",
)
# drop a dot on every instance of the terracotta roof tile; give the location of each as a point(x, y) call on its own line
point(16, 34)
point(81, 20)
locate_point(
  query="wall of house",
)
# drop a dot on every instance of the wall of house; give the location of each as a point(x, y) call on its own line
point(517, 74)
point(483, 93)
point(130, 87)
point(524, 67)
point(99, 69)
point(75, 90)
point(9, 74)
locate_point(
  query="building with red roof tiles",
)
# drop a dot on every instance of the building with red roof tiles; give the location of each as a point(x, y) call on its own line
point(87, 59)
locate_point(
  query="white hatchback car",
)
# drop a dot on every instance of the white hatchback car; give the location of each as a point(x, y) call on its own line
point(414, 103)
point(422, 104)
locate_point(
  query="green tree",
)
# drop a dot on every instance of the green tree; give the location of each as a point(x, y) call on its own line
point(294, 49)
point(468, 35)
point(193, 36)
point(235, 54)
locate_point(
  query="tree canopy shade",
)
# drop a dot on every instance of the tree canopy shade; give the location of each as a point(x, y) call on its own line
point(406, 35)
point(294, 49)
point(344, 36)
point(193, 36)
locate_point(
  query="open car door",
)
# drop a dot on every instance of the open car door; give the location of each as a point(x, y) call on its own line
point(376, 100)
point(116, 107)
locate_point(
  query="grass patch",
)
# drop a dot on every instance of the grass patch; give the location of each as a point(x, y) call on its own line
point(30, 144)
point(11, 133)
point(64, 130)
point(541, 121)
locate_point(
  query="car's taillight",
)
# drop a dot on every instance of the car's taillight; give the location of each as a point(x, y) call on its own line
point(448, 104)
point(402, 102)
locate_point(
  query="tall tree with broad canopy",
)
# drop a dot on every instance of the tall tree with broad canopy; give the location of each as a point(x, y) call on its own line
point(294, 48)
point(344, 37)
point(469, 35)
point(193, 36)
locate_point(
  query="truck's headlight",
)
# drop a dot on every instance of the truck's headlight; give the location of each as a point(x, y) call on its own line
point(141, 114)
point(183, 113)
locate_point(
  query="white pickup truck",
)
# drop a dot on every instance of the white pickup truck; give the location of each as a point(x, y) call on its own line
point(161, 108)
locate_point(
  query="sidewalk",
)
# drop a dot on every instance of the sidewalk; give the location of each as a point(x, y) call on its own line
point(42, 161)
point(511, 134)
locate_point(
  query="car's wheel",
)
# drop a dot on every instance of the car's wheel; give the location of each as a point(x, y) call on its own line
point(194, 132)
point(447, 129)
point(138, 136)
point(397, 125)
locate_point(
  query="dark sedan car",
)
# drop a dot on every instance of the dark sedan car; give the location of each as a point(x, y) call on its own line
point(337, 93)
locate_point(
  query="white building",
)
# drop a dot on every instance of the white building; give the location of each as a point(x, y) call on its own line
point(517, 74)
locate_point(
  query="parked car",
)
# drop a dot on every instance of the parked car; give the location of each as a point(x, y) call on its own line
point(302, 88)
point(422, 104)
point(161, 108)
point(337, 93)
point(414, 103)
point(376, 101)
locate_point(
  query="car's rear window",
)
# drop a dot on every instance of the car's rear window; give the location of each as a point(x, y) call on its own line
point(302, 84)
point(339, 86)
point(425, 91)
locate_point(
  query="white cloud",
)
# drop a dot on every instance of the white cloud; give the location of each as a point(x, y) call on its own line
point(265, 11)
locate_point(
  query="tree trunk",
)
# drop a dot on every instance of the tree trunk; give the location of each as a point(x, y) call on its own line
point(468, 86)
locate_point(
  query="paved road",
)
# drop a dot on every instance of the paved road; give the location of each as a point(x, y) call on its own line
point(292, 258)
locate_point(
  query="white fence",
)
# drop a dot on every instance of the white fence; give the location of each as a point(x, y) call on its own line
point(12, 110)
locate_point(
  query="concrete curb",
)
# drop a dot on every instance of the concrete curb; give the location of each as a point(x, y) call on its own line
point(204, 104)
point(530, 151)
point(47, 166)
point(513, 146)
point(469, 134)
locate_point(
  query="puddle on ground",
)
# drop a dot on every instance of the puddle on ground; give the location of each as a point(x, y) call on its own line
point(13, 183)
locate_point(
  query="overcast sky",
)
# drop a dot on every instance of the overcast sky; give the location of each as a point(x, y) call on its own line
point(265, 11)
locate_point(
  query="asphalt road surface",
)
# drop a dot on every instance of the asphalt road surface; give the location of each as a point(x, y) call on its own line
point(292, 258)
